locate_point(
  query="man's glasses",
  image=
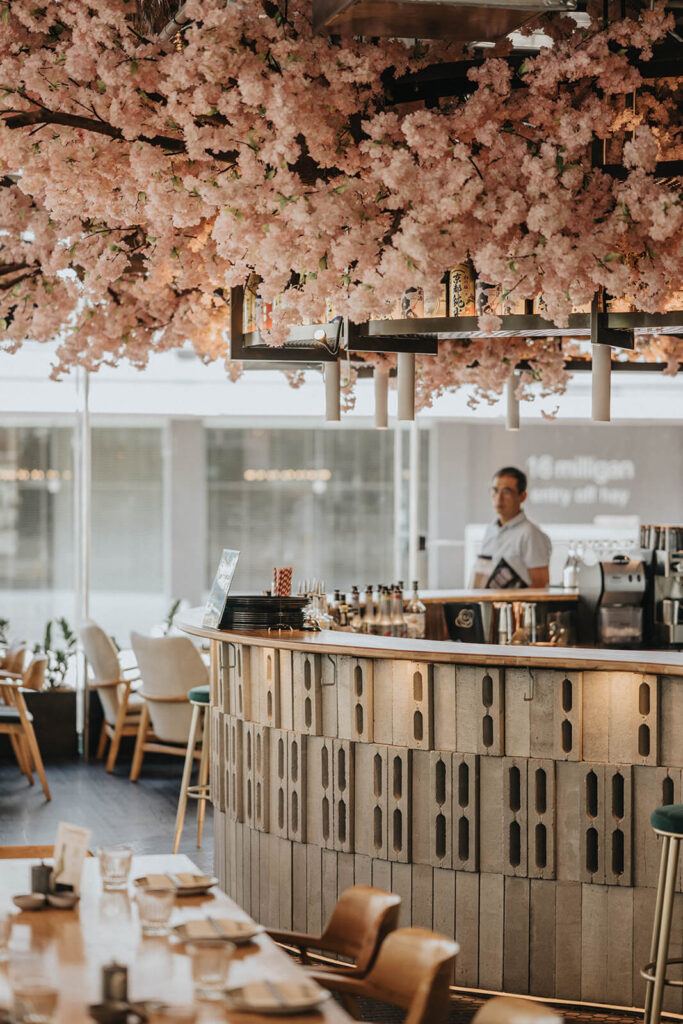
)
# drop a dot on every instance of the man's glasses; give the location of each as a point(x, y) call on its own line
point(505, 492)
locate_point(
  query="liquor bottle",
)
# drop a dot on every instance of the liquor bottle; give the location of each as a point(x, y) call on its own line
point(251, 308)
point(461, 290)
point(416, 616)
point(436, 298)
point(383, 624)
point(398, 622)
point(334, 607)
point(354, 611)
point(369, 617)
point(343, 613)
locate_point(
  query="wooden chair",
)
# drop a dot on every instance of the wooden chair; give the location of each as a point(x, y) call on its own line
point(360, 922)
point(413, 970)
point(515, 1010)
point(122, 708)
point(14, 657)
point(170, 667)
point(17, 722)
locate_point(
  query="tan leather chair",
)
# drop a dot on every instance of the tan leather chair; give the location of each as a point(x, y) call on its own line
point(14, 657)
point(170, 667)
point(515, 1010)
point(360, 922)
point(17, 722)
point(413, 970)
point(122, 708)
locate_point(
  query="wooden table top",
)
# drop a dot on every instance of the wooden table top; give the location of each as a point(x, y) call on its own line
point(104, 927)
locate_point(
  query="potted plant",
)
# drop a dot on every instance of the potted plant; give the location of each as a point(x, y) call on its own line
point(54, 707)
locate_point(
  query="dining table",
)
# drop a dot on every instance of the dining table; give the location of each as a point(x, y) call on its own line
point(104, 928)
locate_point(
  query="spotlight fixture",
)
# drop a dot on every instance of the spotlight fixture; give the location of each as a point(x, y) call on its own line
point(381, 398)
point(601, 374)
point(406, 385)
point(512, 418)
point(332, 399)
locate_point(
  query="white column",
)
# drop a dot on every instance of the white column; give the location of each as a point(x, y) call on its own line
point(413, 502)
point(82, 537)
point(185, 511)
point(398, 500)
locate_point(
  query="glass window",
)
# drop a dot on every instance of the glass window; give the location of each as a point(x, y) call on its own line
point(319, 500)
point(36, 527)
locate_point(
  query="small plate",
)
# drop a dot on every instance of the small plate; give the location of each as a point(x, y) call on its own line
point(239, 932)
point(30, 901)
point(204, 883)
point(63, 900)
point(276, 998)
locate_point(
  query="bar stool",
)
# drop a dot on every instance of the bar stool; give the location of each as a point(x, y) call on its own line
point(198, 697)
point(667, 822)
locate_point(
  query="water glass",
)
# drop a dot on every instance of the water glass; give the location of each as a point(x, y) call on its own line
point(115, 862)
point(210, 964)
point(6, 919)
point(34, 996)
point(154, 908)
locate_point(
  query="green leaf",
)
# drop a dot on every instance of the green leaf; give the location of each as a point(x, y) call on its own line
point(100, 86)
point(142, 196)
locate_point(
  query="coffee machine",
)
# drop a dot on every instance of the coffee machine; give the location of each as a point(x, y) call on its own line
point(620, 607)
point(611, 609)
point(666, 597)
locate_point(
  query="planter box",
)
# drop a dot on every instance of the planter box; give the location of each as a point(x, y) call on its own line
point(54, 722)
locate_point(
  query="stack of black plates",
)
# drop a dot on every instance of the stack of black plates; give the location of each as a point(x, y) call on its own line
point(257, 612)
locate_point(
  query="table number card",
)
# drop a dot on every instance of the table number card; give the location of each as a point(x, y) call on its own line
point(71, 849)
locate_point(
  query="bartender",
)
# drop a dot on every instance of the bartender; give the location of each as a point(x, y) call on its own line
point(515, 552)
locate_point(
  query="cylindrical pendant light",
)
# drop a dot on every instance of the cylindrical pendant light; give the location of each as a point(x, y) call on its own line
point(332, 399)
point(381, 398)
point(512, 417)
point(601, 381)
point(406, 385)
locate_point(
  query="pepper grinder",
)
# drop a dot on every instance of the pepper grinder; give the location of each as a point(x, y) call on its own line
point(40, 877)
point(114, 983)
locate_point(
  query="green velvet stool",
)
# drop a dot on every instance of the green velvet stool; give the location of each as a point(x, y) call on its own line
point(199, 697)
point(667, 822)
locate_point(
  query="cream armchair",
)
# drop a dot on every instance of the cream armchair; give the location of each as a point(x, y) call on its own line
point(170, 667)
point(122, 707)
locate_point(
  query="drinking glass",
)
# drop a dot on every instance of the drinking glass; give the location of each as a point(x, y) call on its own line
point(115, 864)
point(154, 908)
point(210, 963)
point(6, 919)
point(34, 996)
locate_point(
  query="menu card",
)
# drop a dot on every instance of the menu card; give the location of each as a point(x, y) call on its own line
point(213, 613)
point(71, 849)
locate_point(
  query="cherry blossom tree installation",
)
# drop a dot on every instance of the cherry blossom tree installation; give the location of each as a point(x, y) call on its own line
point(141, 180)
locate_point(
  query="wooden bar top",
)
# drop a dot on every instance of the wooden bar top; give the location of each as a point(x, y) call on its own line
point(544, 595)
point(104, 927)
point(359, 645)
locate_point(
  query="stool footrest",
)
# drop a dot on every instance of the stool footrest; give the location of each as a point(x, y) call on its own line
point(199, 792)
point(647, 972)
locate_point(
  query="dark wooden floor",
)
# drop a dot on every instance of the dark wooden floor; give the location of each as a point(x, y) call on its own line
point(115, 809)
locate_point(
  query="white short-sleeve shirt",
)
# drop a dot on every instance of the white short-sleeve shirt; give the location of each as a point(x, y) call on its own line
point(520, 542)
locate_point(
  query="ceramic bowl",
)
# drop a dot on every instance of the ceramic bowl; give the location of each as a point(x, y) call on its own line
point(30, 901)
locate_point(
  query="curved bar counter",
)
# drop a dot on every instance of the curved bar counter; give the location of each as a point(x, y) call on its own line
point(503, 792)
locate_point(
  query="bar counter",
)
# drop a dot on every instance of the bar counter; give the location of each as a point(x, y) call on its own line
point(503, 792)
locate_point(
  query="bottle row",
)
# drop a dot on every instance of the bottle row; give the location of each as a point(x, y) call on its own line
point(380, 611)
point(459, 293)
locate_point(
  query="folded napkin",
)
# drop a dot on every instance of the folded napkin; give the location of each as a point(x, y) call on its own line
point(183, 879)
point(274, 994)
point(202, 928)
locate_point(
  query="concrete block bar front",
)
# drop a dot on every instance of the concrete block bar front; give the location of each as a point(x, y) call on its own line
point(503, 792)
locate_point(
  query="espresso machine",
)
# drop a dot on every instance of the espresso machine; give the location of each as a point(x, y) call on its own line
point(666, 596)
point(621, 605)
point(612, 601)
